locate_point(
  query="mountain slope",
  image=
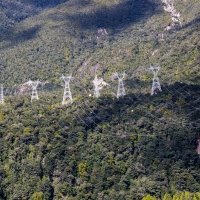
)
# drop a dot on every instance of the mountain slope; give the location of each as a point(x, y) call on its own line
point(109, 148)
point(105, 148)
point(64, 39)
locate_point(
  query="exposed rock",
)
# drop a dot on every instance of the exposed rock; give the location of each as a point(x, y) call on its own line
point(169, 7)
point(101, 32)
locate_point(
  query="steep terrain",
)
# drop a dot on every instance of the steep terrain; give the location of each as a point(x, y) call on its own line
point(68, 37)
point(136, 147)
point(14, 11)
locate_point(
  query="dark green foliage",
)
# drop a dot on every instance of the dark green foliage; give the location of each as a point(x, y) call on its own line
point(151, 149)
point(104, 148)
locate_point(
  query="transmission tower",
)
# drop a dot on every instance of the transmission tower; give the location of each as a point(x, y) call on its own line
point(121, 90)
point(34, 85)
point(1, 96)
point(67, 93)
point(156, 82)
point(96, 87)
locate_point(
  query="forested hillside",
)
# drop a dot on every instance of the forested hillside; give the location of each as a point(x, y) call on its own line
point(14, 11)
point(69, 38)
point(139, 146)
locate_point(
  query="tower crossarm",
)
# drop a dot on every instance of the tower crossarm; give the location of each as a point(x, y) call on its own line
point(120, 76)
point(66, 78)
point(35, 84)
point(155, 70)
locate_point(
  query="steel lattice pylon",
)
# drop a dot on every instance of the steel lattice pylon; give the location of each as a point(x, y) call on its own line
point(34, 85)
point(67, 93)
point(96, 87)
point(156, 82)
point(121, 90)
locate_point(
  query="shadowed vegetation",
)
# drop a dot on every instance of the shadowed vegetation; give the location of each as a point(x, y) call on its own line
point(133, 148)
point(116, 16)
point(122, 148)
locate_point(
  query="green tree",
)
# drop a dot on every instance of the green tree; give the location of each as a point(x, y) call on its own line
point(37, 196)
point(149, 197)
point(167, 196)
point(82, 169)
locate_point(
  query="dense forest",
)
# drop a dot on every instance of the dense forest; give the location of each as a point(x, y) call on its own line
point(139, 146)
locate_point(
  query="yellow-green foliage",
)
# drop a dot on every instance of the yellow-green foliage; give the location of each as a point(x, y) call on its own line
point(56, 134)
point(1, 116)
point(133, 137)
point(37, 196)
point(165, 111)
point(149, 197)
point(27, 130)
point(82, 169)
point(185, 195)
point(155, 163)
point(167, 196)
point(152, 107)
point(6, 168)
point(177, 196)
point(80, 136)
point(111, 160)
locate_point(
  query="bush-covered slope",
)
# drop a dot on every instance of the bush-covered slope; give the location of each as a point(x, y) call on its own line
point(101, 149)
point(104, 148)
point(122, 35)
point(14, 11)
